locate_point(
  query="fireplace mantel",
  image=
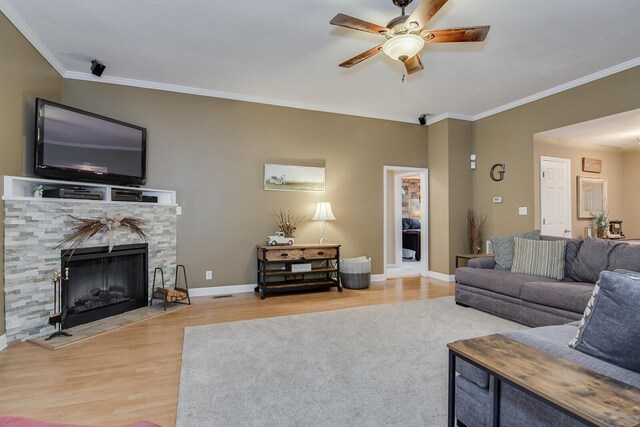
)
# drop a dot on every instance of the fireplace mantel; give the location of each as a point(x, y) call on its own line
point(34, 226)
point(21, 188)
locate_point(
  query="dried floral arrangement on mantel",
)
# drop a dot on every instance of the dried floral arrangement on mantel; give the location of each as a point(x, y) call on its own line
point(86, 228)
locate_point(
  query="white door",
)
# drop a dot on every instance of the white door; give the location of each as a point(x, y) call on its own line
point(555, 196)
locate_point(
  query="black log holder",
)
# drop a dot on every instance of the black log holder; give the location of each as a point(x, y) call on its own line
point(57, 317)
point(162, 294)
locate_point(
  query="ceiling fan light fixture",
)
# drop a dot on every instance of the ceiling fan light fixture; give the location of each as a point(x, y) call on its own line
point(403, 47)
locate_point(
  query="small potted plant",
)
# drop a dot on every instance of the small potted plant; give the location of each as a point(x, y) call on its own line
point(37, 191)
point(601, 222)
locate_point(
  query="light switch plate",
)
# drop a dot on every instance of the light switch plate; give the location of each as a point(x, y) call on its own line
point(208, 275)
point(522, 210)
point(473, 165)
point(497, 199)
point(179, 210)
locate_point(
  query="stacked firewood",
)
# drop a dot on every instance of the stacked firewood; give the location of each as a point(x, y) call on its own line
point(170, 295)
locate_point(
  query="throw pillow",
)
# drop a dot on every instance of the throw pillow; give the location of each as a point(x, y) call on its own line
point(592, 258)
point(573, 246)
point(625, 257)
point(610, 327)
point(539, 257)
point(503, 248)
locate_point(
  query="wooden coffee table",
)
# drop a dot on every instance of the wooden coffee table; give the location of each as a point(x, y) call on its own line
point(582, 394)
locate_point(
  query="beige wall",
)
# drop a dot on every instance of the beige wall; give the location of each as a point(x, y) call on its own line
point(612, 169)
point(212, 152)
point(24, 75)
point(460, 187)
point(439, 197)
point(631, 175)
point(450, 192)
point(508, 138)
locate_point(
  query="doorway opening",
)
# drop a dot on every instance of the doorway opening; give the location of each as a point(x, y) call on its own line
point(406, 232)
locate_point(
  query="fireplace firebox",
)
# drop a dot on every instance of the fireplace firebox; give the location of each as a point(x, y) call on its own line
point(99, 283)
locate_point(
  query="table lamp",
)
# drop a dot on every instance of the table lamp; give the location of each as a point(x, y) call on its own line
point(324, 214)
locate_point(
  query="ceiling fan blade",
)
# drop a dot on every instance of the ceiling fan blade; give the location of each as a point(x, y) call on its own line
point(465, 34)
point(424, 12)
point(414, 64)
point(347, 21)
point(359, 58)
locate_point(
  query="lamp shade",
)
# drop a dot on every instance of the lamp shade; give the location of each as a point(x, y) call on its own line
point(403, 47)
point(324, 212)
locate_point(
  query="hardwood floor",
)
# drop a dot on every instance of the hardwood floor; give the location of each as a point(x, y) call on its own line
point(133, 373)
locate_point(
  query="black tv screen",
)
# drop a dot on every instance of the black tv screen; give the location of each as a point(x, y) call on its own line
point(76, 145)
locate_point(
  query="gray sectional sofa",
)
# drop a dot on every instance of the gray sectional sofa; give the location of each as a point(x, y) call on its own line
point(540, 301)
point(536, 301)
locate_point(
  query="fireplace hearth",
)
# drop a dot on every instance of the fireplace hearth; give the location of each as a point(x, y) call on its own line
point(100, 283)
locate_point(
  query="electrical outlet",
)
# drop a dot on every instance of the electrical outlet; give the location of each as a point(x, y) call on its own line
point(208, 275)
point(522, 210)
point(179, 210)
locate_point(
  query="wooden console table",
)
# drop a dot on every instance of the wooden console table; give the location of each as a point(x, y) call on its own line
point(580, 393)
point(275, 265)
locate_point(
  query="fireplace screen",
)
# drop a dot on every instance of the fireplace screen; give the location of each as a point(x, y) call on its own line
point(102, 283)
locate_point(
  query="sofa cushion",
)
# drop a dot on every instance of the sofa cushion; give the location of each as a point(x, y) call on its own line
point(503, 248)
point(570, 254)
point(570, 296)
point(592, 258)
point(610, 327)
point(500, 281)
point(539, 258)
point(625, 257)
point(553, 340)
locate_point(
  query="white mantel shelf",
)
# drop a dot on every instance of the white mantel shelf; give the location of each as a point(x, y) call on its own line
point(21, 188)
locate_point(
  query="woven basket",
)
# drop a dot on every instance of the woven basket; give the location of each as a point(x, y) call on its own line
point(355, 273)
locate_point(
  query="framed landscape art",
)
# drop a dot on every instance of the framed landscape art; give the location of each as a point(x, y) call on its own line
point(293, 178)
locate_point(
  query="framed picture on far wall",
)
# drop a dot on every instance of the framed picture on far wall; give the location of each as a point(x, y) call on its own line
point(293, 178)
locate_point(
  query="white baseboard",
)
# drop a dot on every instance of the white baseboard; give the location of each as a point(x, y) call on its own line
point(441, 276)
point(3, 342)
point(220, 290)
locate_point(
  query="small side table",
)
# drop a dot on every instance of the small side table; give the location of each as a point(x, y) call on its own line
point(469, 256)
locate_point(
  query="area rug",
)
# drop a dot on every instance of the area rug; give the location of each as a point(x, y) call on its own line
point(377, 365)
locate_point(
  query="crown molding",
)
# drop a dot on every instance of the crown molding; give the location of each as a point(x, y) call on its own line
point(145, 84)
point(440, 117)
point(35, 41)
point(560, 88)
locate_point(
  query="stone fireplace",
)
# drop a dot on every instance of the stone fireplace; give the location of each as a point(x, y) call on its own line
point(33, 229)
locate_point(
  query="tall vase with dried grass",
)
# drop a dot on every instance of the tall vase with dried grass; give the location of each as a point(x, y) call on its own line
point(286, 221)
point(475, 230)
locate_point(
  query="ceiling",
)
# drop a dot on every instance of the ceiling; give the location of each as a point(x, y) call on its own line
point(620, 130)
point(285, 52)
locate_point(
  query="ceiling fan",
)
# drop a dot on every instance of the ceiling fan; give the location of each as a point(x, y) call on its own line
point(405, 34)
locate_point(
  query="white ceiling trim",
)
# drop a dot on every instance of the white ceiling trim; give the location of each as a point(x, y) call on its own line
point(560, 88)
point(31, 36)
point(26, 31)
point(74, 75)
point(435, 119)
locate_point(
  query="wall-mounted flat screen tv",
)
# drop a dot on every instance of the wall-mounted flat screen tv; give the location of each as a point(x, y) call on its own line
point(76, 145)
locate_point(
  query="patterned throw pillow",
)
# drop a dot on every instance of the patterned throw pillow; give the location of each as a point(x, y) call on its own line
point(610, 327)
point(539, 257)
point(503, 248)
